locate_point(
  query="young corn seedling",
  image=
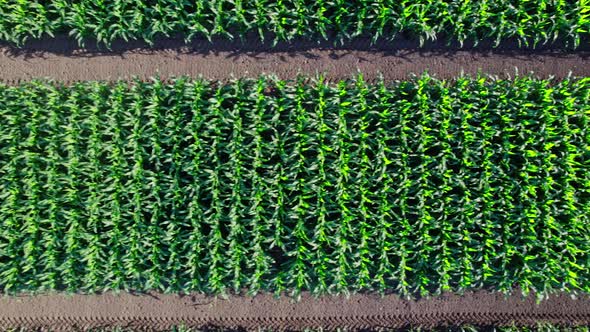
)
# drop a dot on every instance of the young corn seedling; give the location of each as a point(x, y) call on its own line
point(136, 223)
point(260, 197)
point(113, 204)
point(93, 254)
point(53, 229)
point(174, 195)
point(11, 172)
point(364, 217)
point(237, 236)
point(214, 214)
point(194, 248)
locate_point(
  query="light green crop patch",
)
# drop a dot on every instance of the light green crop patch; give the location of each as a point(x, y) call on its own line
point(419, 186)
point(529, 21)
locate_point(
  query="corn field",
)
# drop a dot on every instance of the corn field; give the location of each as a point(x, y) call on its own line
point(418, 186)
point(528, 21)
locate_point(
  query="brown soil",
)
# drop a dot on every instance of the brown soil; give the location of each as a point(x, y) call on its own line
point(360, 311)
point(61, 59)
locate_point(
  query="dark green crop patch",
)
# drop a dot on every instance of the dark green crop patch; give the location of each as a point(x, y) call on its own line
point(415, 187)
point(529, 21)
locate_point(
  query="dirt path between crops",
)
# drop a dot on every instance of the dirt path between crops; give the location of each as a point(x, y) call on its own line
point(62, 60)
point(157, 311)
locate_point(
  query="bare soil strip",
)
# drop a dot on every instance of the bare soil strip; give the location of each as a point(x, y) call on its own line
point(360, 311)
point(62, 60)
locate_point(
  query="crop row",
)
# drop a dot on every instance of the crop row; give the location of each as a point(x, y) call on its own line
point(418, 186)
point(529, 21)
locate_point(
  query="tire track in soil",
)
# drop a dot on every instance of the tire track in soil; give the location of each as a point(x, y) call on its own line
point(62, 60)
point(154, 311)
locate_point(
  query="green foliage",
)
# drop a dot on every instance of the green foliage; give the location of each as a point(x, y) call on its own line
point(528, 21)
point(416, 187)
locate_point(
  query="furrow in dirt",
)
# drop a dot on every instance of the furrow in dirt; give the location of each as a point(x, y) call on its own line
point(61, 60)
point(359, 311)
